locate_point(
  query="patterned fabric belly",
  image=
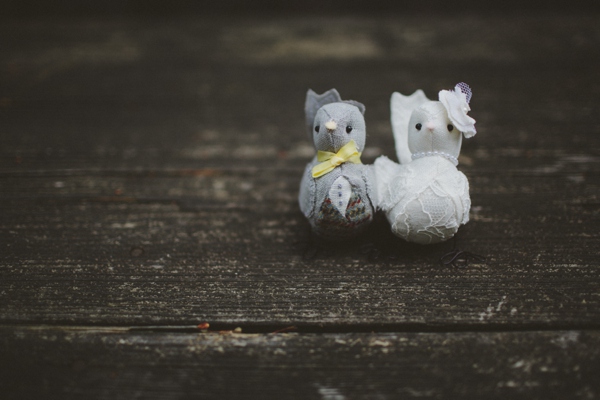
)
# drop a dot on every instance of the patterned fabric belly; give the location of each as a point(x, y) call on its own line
point(331, 224)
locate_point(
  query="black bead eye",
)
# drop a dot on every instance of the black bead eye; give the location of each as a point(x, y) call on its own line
point(418, 126)
point(348, 129)
point(450, 128)
point(317, 128)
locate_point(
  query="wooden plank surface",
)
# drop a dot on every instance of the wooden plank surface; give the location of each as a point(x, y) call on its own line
point(115, 364)
point(149, 172)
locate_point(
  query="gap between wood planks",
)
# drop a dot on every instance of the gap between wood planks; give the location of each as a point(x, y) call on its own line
point(227, 328)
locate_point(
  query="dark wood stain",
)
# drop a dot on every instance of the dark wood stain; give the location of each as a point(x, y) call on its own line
point(149, 175)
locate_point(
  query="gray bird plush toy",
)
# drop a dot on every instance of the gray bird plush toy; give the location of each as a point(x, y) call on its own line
point(337, 192)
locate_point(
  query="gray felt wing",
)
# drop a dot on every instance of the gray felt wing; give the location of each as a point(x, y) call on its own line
point(370, 180)
point(315, 101)
point(306, 198)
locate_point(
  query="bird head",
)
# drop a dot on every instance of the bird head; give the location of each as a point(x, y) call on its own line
point(335, 124)
point(430, 129)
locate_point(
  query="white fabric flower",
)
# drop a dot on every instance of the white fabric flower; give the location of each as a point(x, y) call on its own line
point(456, 103)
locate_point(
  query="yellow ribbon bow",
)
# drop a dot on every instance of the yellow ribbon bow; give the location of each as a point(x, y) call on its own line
point(329, 160)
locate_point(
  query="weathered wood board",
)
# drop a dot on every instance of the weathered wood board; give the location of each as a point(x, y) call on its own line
point(118, 364)
point(149, 172)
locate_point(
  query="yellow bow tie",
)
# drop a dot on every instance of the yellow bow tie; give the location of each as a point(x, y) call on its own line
point(329, 160)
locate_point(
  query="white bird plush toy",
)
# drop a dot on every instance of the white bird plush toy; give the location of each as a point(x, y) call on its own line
point(337, 192)
point(425, 198)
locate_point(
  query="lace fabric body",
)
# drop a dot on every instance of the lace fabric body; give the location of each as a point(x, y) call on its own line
point(426, 200)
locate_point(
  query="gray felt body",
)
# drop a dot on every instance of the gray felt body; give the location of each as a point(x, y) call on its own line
point(313, 191)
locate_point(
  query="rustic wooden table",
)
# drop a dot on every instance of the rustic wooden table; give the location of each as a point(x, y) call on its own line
point(149, 175)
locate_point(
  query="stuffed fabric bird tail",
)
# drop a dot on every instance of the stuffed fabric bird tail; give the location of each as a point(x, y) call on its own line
point(337, 193)
point(401, 108)
point(314, 102)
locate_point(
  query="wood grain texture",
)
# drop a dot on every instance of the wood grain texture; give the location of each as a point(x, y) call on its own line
point(86, 255)
point(149, 172)
point(117, 364)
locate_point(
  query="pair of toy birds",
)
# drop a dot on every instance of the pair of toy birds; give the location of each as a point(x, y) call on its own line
point(424, 197)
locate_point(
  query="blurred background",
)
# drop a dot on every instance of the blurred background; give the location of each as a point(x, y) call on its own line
point(150, 84)
point(278, 8)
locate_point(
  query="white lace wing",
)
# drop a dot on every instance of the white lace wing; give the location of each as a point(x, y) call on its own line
point(431, 201)
point(458, 184)
point(385, 170)
point(401, 108)
point(306, 196)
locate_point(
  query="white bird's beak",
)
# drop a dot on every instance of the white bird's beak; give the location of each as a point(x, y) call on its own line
point(331, 126)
